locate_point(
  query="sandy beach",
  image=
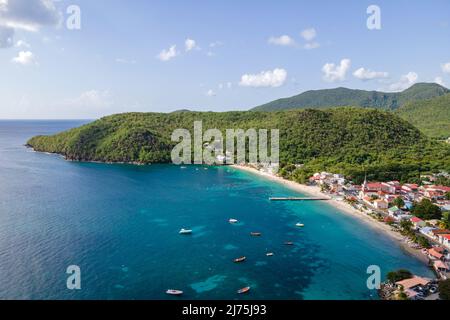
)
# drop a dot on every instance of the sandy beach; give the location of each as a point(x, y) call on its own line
point(342, 207)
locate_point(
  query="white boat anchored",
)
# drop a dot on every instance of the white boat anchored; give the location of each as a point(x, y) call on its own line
point(185, 231)
point(300, 225)
point(233, 221)
point(173, 292)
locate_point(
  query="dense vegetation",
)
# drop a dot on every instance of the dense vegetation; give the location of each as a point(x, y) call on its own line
point(347, 97)
point(399, 275)
point(351, 141)
point(444, 289)
point(431, 116)
point(426, 210)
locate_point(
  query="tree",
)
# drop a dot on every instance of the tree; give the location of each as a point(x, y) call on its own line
point(447, 195)
point(426, 210)
point(399, 275)
point(399, 202)
point(423, 242)
point(406, 225)
point(445, 222)
point(444, 289)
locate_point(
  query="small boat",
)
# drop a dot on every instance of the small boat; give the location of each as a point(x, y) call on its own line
point(185, 231)
point(182, 167)
point(300, 225)
point(232, 221)
point(289, 243)
point(173, 292)
point(243, 290)
point(269, 254)
point(241, 259)
point(256, 234)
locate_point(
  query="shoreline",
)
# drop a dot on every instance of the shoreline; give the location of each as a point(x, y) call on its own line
point(342, 208)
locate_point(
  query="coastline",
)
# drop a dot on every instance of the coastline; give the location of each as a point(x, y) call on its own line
point(342, 207)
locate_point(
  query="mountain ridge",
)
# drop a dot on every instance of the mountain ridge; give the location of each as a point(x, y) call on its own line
point(341, 96)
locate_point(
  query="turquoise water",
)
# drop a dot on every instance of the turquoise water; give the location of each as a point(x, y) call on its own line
point(120, 224)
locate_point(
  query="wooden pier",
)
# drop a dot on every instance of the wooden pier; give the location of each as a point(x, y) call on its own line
point(299, 199)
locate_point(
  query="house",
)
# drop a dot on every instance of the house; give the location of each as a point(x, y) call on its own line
point(427, 231)
point(418, 223)
point(389, 188)
point(381, 204)
point(444, 239)
point(441, 267)
point(410, 284)
point(394, 211)
point(437, 232)
point(408, 204)
point(410, 187)
point(413, 282)
point(436, 253)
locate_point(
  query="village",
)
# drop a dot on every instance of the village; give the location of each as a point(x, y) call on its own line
point(420, 213)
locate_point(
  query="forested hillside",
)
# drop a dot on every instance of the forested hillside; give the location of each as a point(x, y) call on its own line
point(348, 140)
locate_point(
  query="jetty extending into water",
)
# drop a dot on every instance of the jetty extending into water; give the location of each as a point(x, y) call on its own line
point(300, 199)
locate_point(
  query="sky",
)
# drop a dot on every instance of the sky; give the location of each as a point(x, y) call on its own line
point(84, 59)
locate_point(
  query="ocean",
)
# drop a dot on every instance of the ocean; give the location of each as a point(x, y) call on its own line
point(120, 224)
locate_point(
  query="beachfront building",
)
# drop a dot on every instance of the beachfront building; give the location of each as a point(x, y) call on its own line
point(444, 239)
point(398, 214)
point(409, 286)
point(442, 269)
point(436, 233)
point(427, 231)
point(418, 223)
point(381, 204)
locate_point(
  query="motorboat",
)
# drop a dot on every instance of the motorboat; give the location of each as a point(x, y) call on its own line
point(185, 231)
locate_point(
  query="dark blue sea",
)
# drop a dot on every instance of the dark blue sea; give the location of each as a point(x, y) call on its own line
point(120, 224)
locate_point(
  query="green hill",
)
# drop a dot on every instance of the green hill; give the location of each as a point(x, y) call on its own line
point(348, 97)
point(432, 116)
point(347, 140)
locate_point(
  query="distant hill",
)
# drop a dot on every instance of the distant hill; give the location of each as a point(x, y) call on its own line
point(359, 98)
point(431, 116)
point(353, 141)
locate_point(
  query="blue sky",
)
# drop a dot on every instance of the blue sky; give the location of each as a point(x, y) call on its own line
point(120, 60)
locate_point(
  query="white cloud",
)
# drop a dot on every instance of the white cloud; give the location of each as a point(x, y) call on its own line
point(311, 45)
point(166, 55)
point(283, 40)
point(446, 67)
point(216, 44)
point(309, 34)
point(94, 99)
point(334, 73)
point(274, 78)
point(6, 37)
point(405, 82)
point(439, 81)
point(125, 61)
point(227, 85)
point(211, 93)
point(29, 15)
point(24, 58)
point(367, 74)
point(190, 44)
point(22, 43)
